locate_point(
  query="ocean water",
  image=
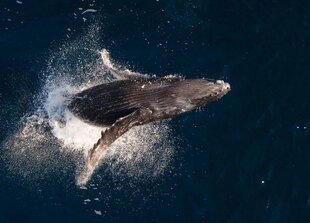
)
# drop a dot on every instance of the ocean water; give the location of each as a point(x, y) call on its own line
point(244, 158)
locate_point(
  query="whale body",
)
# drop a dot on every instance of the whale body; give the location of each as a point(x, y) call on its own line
point(138, 99)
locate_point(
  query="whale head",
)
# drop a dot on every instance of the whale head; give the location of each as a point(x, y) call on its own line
point(194, 93)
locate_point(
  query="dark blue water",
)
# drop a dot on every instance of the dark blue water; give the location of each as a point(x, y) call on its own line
point(244, 158)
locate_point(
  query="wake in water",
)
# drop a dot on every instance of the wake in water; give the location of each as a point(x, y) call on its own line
point(50, 134)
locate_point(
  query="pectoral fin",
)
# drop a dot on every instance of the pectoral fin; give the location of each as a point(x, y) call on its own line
point(119, 74)
point(121, 126)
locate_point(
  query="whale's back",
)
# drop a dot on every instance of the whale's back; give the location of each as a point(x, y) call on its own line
point(104, 104)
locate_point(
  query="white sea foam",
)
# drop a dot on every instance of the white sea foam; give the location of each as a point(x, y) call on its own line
point(51, 138)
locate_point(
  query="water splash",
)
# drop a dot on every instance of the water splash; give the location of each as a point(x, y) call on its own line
point(50, 133)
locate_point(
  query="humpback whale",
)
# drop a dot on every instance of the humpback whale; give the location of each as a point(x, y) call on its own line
point(137, 99)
